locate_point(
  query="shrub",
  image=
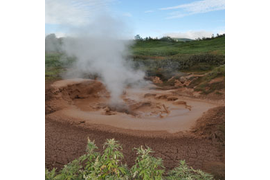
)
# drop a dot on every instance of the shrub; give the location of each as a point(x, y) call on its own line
point(183, 172)
point(147, 167)
point(109, 166)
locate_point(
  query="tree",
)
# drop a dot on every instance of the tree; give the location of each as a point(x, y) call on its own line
point(52, 44)
point(138, 37)
point(50, 36)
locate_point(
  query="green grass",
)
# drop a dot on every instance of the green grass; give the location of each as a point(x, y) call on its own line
point(172, 48)
point(194, 56)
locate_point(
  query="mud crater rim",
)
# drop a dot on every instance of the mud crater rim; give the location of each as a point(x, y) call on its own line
point(140, 109)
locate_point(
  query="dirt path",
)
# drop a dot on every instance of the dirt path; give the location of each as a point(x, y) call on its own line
point(67, 133)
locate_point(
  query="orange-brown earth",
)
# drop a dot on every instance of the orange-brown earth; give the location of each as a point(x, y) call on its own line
point(174, 123)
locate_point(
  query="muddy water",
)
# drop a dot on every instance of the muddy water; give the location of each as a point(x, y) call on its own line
point(144, 109)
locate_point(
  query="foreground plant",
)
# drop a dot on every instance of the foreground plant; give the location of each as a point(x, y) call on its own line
point(109, 166)
point(184, 172)
point(147, 167)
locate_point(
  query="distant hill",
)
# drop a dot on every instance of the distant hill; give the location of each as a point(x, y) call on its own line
point(182, 39)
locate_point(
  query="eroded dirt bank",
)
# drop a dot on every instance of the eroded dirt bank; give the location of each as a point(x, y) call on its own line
point(162, 120)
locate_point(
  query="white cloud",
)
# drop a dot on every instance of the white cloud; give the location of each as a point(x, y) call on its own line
point(190, 34)
point(72, 12)
point(196, 7)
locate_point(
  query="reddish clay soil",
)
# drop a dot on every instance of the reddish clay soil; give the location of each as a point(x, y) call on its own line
point(176, 127)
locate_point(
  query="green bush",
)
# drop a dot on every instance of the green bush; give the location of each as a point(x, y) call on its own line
point(183, 172)
point(147, 167)
point(109, 166)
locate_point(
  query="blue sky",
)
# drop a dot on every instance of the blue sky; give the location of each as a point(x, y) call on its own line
point(155, 18)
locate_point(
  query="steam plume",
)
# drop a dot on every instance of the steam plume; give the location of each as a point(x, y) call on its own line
point(100, 49)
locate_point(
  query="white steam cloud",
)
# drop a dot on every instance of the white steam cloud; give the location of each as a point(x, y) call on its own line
point(100, 49)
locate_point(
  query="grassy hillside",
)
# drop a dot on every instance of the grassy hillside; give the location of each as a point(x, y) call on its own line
point(165, 58)
point(173, 48)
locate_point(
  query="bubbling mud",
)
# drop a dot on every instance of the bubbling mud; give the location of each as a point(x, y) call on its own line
point(141, 109)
